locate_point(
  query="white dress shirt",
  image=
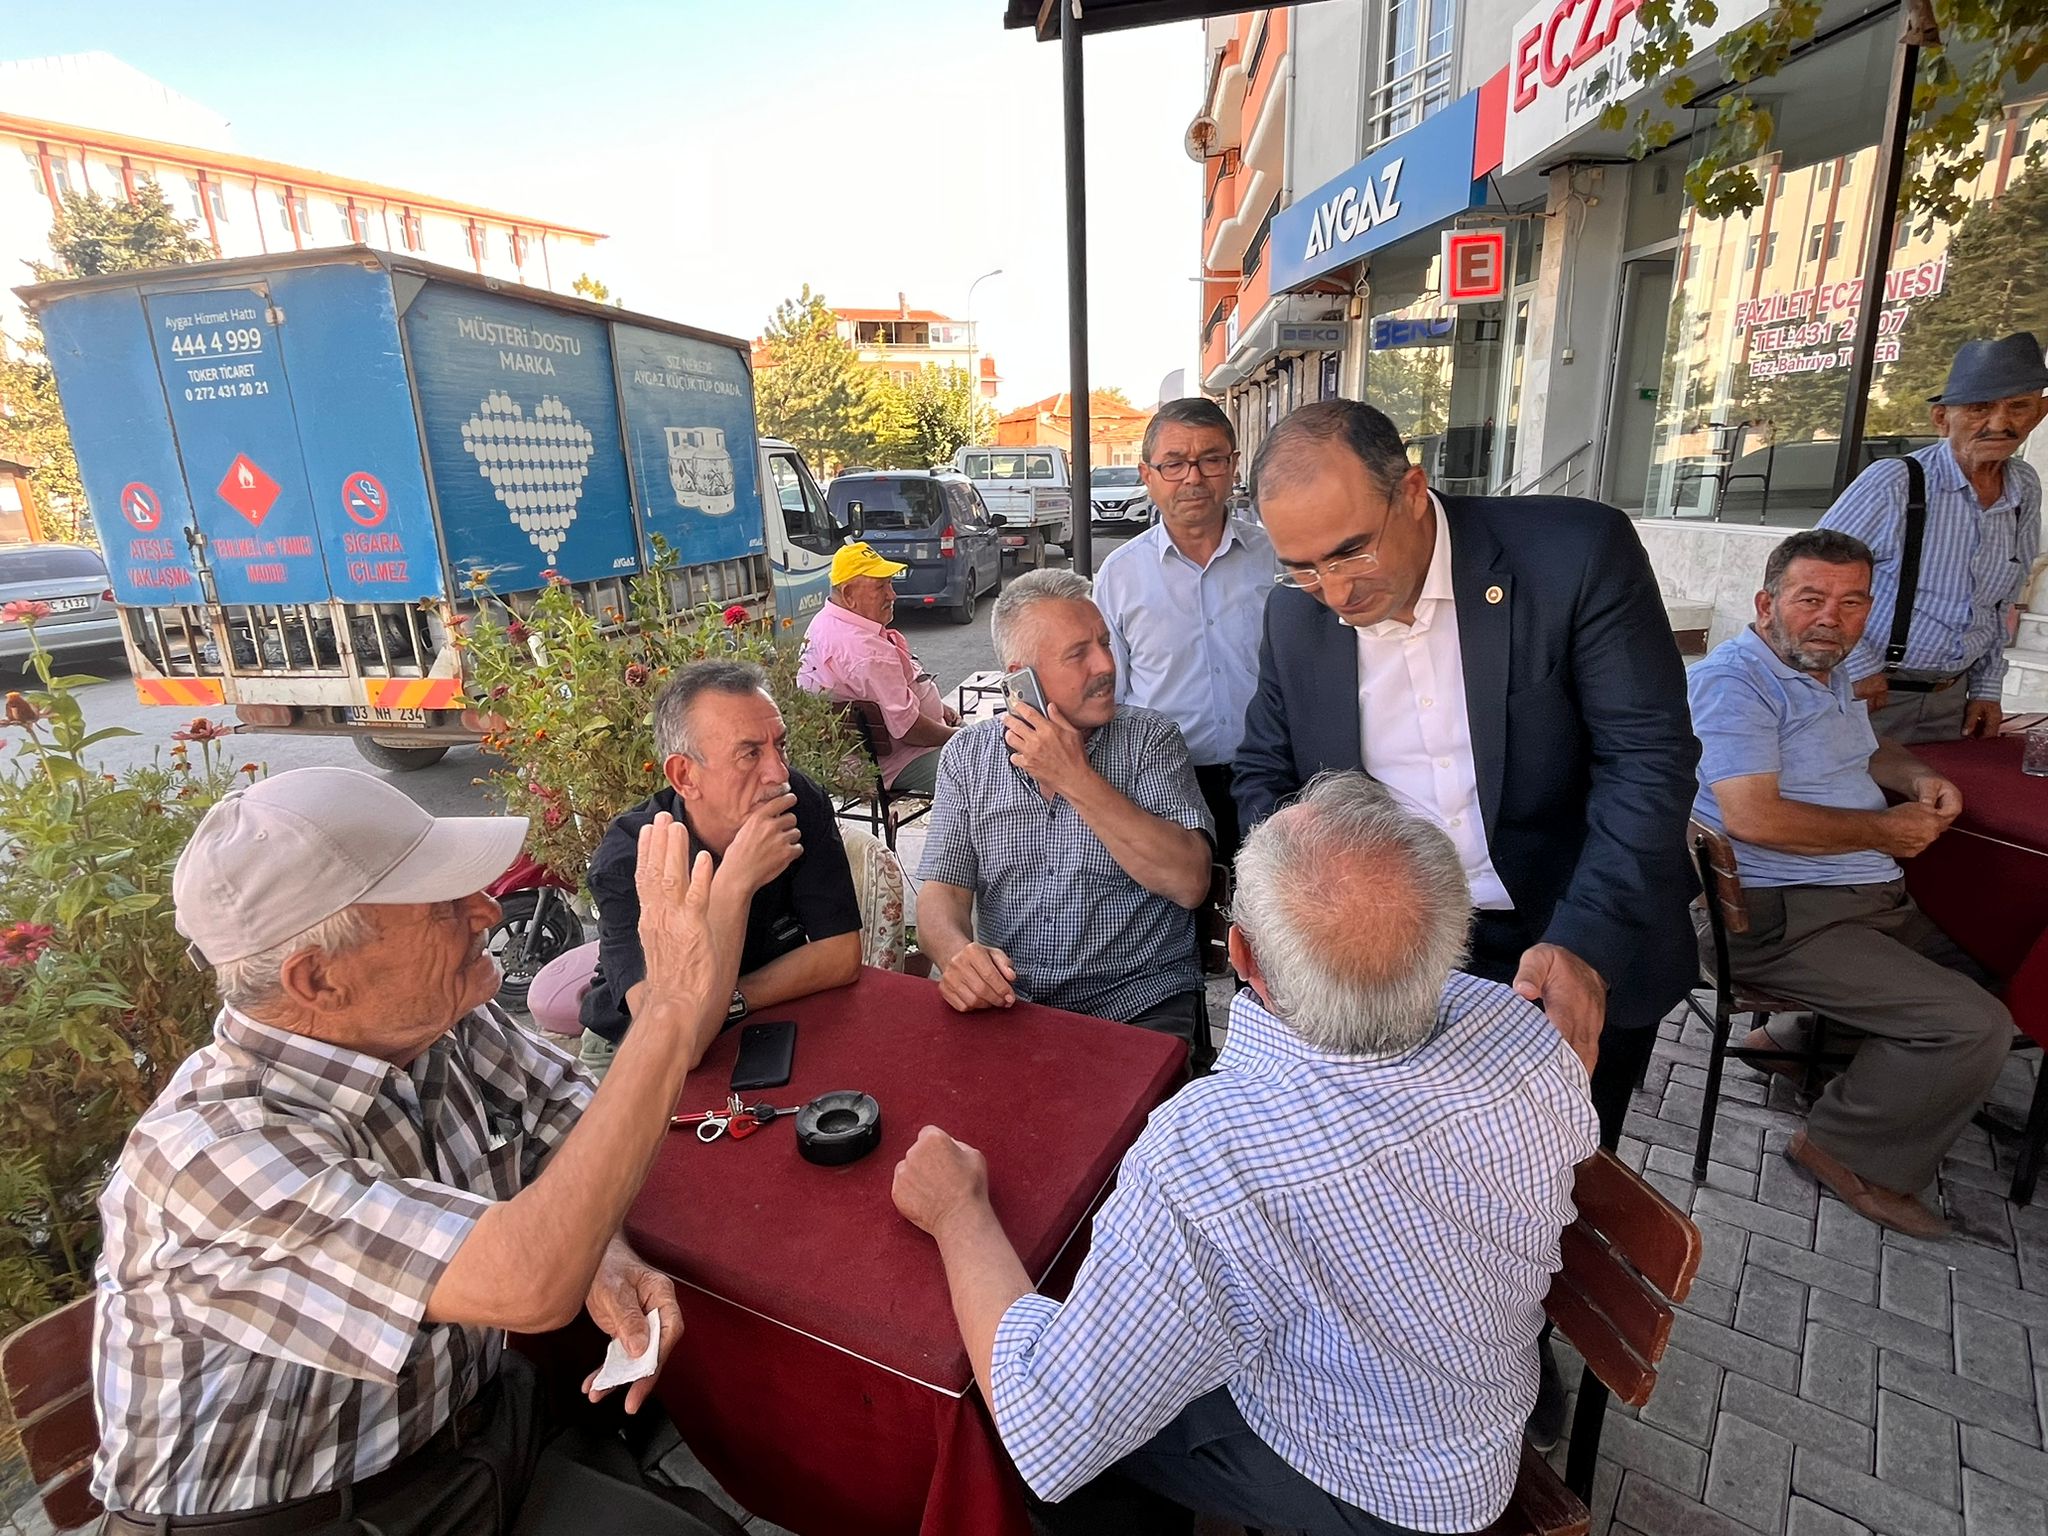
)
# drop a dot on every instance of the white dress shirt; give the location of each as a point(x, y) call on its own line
point(1414, 733)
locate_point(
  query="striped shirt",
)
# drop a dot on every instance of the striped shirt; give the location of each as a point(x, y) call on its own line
point(1358, 1247)
point(1081, 933)
point(276, 1224)
point(1974, 561)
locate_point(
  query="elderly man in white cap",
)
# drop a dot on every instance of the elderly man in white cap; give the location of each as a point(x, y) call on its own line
point(318, 1235)
point(1955, 529)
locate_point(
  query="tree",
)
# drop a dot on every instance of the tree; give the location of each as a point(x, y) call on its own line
point(942, 414)
point(1412, 387)
point(1999, 43)
point(1996, 284)
point(812, 390)
point(595, 290)
point(93, 235)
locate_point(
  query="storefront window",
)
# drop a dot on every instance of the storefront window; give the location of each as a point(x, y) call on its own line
point(1759, 349)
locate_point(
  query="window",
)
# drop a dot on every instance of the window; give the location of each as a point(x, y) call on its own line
point(1834, 239)
point(1848, 169)
point(52, 564)
point(219, 203)
point(117, 184)
point(1814, 237)
point(887, 502)
point(803, 514)
point(1771, 248)
point(2024, 132)
point(60, 175)
point(1749, 253)
point(1415, 75)
point(1038, 466)
point(354, 220)
point(195, 210)
point(35, 170)
point(409, 229)
point(284, 217)
point(1826, 178)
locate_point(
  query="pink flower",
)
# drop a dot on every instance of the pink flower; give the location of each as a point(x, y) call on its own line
point(516, 631)
point(23, 942)
point(23, 611)
point(202, 729)
point(737, 614)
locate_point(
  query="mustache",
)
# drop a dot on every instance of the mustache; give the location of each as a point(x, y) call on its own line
point(1099, 687)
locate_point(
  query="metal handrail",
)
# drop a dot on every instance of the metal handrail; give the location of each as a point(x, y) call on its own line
point(1512, 490)
point(1424, 100)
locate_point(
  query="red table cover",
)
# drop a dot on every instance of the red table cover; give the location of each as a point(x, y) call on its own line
point(1985, 880)
point(820, 1376)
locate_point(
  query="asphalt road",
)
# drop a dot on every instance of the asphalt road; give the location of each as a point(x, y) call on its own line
point(450, 787)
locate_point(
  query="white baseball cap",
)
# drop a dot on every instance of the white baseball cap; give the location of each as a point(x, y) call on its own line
point(268, 862)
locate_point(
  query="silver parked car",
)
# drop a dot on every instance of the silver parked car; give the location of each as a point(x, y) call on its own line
point(72, 581)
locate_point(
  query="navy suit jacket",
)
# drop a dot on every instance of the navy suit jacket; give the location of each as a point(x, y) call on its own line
point(1582, 742)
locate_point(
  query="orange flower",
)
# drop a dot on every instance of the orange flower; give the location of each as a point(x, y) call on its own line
point(20, 711)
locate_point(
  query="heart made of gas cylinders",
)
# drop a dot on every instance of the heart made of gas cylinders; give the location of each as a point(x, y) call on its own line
point(535, 465)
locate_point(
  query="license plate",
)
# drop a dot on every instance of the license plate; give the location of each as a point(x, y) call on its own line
point(68, 604)
point(360, 715)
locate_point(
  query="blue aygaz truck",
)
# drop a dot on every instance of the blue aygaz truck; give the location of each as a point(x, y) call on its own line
point(297, 464)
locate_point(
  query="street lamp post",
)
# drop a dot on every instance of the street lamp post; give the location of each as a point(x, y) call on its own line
point(973, 379)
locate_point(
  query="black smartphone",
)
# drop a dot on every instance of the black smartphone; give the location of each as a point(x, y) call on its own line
point(767, 1053)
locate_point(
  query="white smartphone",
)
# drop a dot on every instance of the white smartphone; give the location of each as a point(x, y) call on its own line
point(1021, 686)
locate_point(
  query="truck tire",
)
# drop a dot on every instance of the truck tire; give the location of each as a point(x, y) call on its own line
point(398, 759)
point(962, 612)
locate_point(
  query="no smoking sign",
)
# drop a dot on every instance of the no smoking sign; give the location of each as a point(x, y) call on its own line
point(363, 498)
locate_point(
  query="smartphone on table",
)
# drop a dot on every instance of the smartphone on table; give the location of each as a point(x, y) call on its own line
point(1021, 686)
point(767, 1055)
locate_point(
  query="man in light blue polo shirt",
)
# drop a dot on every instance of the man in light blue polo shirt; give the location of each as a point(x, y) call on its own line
point(1185, 599)
point(1790, 770)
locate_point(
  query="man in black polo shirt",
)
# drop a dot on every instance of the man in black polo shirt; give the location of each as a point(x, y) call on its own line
point(723, 750)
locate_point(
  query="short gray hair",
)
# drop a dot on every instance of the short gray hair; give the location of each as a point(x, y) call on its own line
point(1357, 912)
point(1007, 624)
point(1827, 545)
point(672, 706)
point(1188, 411)
point(254, 982)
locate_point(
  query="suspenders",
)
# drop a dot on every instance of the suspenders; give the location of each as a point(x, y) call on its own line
point(1909, 563)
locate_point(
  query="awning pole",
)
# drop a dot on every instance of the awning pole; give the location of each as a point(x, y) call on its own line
point(1877, 248)
point(1081, 549)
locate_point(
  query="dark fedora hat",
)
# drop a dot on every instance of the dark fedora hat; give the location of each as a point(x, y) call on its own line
point(1991, 370)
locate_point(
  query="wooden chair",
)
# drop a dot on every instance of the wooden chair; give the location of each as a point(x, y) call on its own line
point(46, 1374)
point(1627, 1258)
point(1727, 911)
point(881, 808)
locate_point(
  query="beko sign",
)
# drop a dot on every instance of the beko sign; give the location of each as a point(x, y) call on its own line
point(1569, 59)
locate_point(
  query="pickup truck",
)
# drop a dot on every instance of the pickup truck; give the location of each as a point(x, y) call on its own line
point(1030, 490)
point(298, 465)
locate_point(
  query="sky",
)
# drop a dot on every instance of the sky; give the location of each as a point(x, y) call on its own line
point(735, 152)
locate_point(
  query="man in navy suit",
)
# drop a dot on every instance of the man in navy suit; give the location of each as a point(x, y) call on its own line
point(1505, 667)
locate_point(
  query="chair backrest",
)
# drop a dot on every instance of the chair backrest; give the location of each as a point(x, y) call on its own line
point(878, 890)
point(46, 1374)
point(1720, 880)
point(1212, 923)
point(1627, 1258)
point(865, 720)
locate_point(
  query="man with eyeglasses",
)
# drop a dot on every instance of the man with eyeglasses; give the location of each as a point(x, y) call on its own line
point(1183, 599)
point(1504, 666)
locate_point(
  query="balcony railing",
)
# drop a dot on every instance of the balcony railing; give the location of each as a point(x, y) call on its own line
point(1251, 68)
point(1403, 102)
point(1255, 252)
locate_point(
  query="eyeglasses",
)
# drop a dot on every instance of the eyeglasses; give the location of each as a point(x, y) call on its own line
point(1311, 578)
point(1210, 464)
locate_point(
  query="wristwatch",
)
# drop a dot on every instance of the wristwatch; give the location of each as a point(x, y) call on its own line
point(737, 1008)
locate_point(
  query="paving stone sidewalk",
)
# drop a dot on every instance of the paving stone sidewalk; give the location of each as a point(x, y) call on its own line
point(1825, 1377)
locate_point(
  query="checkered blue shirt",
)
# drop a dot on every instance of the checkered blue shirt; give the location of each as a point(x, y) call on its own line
point(1359, 1247)
point(1973, 562)
point(1082, 934)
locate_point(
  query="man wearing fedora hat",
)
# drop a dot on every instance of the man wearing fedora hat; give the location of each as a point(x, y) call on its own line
point(1964, 518)
point(318, 1235)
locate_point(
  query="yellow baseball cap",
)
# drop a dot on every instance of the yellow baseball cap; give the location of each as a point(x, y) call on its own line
point(861, 560)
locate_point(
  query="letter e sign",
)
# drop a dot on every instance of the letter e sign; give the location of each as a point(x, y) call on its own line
point(1475, 266)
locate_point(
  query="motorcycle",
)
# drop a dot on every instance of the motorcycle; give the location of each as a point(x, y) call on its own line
point(539, 923)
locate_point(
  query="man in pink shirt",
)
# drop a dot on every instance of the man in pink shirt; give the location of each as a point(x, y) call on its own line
point(852, 655)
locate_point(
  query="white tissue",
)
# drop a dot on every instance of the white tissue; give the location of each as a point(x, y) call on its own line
point(619, 1368)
